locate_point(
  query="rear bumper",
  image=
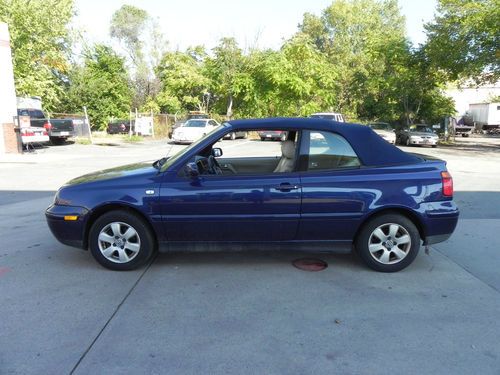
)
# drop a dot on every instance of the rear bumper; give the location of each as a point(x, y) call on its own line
point(440, 222)
point(70, 233)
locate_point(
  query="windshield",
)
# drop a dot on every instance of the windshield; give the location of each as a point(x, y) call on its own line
point(197, 116)
point(171, 160)
point(423, 129)
point(32, 113)
point(380, 126)
point(195, 124)
point(325, 117)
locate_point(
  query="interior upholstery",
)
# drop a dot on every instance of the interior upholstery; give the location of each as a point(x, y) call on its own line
point(287, 161)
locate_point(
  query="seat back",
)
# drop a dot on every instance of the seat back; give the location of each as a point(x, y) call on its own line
point(287, 161)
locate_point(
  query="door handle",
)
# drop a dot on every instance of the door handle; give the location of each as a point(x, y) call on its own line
point(286, 187)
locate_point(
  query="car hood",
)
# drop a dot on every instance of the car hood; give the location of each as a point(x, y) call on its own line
point(113, 173)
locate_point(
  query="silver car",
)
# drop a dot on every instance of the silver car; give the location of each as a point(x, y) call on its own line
point(417, 135)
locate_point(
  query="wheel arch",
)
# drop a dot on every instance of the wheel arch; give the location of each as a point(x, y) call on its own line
point(406, 212)
point(101, 210)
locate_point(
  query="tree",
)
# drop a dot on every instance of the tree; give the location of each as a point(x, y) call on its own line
point(183, 82)
point(224, 69)
point(40, 41)
point(464, 39)
point(144, 43)
point(101, 84)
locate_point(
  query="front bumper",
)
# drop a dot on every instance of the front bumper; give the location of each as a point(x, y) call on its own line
point(182, 140)
point(68, 232)
point(423, 141)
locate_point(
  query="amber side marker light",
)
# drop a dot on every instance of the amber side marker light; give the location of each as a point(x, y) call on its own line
point(447, 184)
point(70, 218)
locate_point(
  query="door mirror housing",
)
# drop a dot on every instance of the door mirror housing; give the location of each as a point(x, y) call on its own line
point(216, 152)
point(191, 170)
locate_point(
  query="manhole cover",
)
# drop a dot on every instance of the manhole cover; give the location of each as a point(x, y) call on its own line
point(310, 264)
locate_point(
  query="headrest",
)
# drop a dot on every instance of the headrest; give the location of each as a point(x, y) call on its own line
point(288, 149)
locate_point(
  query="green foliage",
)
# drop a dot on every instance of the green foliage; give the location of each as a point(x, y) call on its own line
point(40, 44)
point(183, 82)
point(101, 84)
point(127, 24)
point(464, 39)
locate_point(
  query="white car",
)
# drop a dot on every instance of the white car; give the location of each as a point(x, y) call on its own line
point(193, 130)
point(384, 130)
point(329, 116)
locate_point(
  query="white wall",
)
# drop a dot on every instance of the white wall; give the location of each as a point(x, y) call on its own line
point(7, 89)
point(465, 96)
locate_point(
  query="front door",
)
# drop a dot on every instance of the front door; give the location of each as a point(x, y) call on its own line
point(262, 207)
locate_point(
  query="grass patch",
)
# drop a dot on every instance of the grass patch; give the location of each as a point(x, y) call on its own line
point(133, 138)
point(82, 141)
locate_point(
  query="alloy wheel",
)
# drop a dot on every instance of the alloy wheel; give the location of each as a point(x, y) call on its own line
point(389, 243)
point(119, 242)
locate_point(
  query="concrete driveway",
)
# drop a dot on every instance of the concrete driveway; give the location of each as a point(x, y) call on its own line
point(243, 313)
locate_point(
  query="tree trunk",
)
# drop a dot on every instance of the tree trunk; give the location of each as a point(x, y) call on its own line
point(229, 112)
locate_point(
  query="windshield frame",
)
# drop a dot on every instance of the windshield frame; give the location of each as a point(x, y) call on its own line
point(177, 156)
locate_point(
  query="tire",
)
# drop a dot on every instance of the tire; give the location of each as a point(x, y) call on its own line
point(385, 254)
point(57, 141)
point(134, 250)
point(262, 138)
point(232, 136)
point(433, 146)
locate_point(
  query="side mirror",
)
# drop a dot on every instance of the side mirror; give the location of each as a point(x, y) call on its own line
point(216, 152)
point(191, 170)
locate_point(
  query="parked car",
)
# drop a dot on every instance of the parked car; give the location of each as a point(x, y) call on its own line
point(118, 127)
point(193, 130)
point(232, 136)
point(273, 135)
point(417, 135)
point(33, 135)
point(334, 116)
point(384, 130)
point(336, 193)
point(190, 116)
point(59, 130)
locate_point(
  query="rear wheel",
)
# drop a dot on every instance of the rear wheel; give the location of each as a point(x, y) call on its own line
point(120, 240)
point(388, 243)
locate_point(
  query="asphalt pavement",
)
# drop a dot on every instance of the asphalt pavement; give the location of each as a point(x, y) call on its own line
point(248, 312)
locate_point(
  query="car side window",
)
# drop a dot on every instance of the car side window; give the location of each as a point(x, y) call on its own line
point(327, 151)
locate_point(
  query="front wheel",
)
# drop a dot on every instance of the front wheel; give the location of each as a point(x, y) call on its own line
point(121, 241)
point(388, 243)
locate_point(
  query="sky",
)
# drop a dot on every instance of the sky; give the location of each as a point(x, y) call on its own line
point(254, 23)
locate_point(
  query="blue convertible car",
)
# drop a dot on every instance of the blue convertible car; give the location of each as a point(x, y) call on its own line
point(332, 184)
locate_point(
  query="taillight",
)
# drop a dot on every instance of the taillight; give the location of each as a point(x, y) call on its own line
point(447, 184)
point(47, 126)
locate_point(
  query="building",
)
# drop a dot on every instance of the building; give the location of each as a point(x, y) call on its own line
point(8, 109)
point(465, 96)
